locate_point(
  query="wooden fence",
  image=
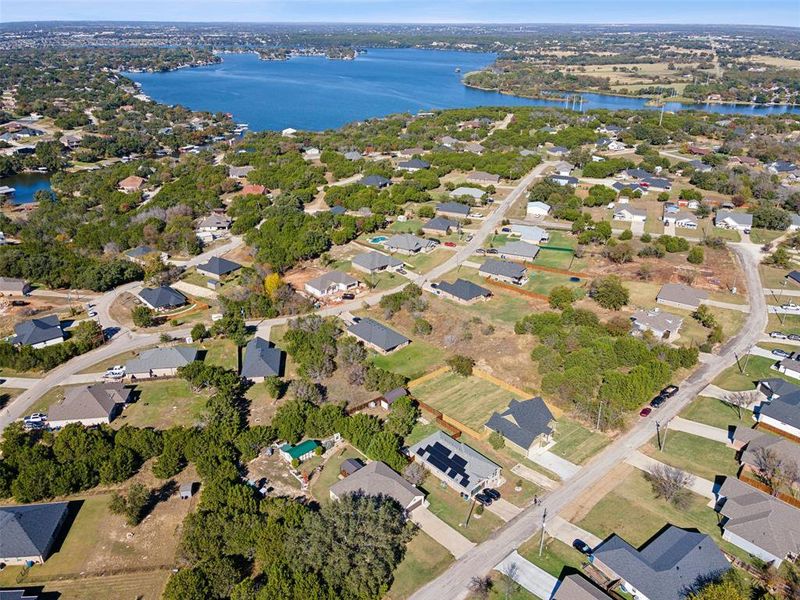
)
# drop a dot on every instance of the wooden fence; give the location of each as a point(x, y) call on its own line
point(791, 500)
point(437, 415)
point(518, 290)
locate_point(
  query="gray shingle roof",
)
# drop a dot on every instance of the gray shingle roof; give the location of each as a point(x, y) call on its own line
point(95, 401)
point(375, 260)
point(377, 334)
point(759, 518)
point(455, 208)
point(219, 266)
point(740, 218)
point(522, 422)
point(668, 566)
point(161, 358)
point(466, 191)
point(757, 440)
point(140, 251)
point(502, 268)
point(520, 249)
point(374, 181)
point(162, 297)
point(375, 479)
point(332, 277)
point(463, 289)
point(577, 587)
point(19, 595)
point(786, 408)
point(566, 179)
point(30, 529)
point(408, 242)
point(262, 359)
point(682, 294)
point(474, 466)
point(779, 387)
point(414, 163)
point(38, 330)
point(440, 224)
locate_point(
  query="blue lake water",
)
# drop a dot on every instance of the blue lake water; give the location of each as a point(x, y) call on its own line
point(315, 93)
point(26, 185)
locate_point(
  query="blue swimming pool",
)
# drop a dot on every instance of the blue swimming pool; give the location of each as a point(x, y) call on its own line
point(378, 240)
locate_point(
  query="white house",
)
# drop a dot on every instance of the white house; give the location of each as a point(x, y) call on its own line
point(288, 132)
point(312, 154)
point(538, 209)
point(727, 219)
point(563, 168)
point(330, 283)
point(634, 215)
point(530, 233)
point(661, 324)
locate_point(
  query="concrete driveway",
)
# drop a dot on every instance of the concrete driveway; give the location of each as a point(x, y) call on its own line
point(561, 467)
point(455, 543)
point(504, 509)
point(534, 476)
point(715, 434)
point(538, 582)
point(566, 532)
point(700, 486)
point(637, 228)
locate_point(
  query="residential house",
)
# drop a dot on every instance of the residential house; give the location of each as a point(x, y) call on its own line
point(288, 132)
point(28, 532)
point(239, 172)
point(757, 522)
point(38, 332)
point(789, 367)
point(410, 152)
point(413, 165)
point(353, 155)
point(378, 479)
point(141, 254)
point(656, 183)
point(461, 467)
point(529, 233)
point(517, 250)
point(577, 587)
point(504, 271)
point(663, 325)
point(794, 224)
point(793, 277)
point(467, 192)
point(253, 189)
point(456, 210)
point(407, 243)
point(377, 336)
point(261, 360)
point(350, 466)
point(375, 262)
point(563, 168)
point(392, 396)
point(162, 298)
point(727, 219)
point(214, 223)
point(630, 214)
point(11, 286)
point(218, 268)
point(564, 180)
point(473, 147)
point(538, 209)
point(483, 177)
point(781, 166)
point(337, 209)
point(679, 295)
point(685, 220)
point(633, 187)
point(330, 284)
point(312, 154)
point(439, 226)
point(376, 181)
point(462, 291)
point(671, 564)
point(558, 151)
point(698, 150)
point(134, 183)
point(525, 425)
point(635, 173)
point(449, 141)
point(71, 141)
point(95, 404)
point(160, 362)
point(700, 166)
point(20, 594)
point(751, 444)
point(300, 452)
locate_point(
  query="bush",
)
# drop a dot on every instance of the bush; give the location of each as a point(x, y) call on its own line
point(199, 332)
point(496, 440)
point(561, 297)
point(422, 326)
point(609, 292)
point(695, 255)
point(461, 364)
point(626, 235)
point(646, 238)
point(673, 243)
point(142, 316)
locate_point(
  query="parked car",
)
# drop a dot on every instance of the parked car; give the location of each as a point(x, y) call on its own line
point(779, 335)
point(469, 237)
point(582, 546)
point(657, 401)
point(492, 493)
point(791, 306)
point(38, 416)
point(669, 391)
point(348, 296)
point(506, 230)
point(794, 337)
point(491, 251)
point(480, 251)
point(747, 231)
point(645, 411)
point(782, 353)
point(450, 244)
point(92, 314)
point(482, 498)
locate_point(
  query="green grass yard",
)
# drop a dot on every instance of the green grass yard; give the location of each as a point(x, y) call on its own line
point(694, 454)
point(330, 473)
point(756, 368)
point(764, 236)
point(221, 352)
point(471, 400)
point(413, 361)
point(556, 555)
point(716, 413)
point(446, 504)
point(424, 560)
point(162, 404)
point(575, 443)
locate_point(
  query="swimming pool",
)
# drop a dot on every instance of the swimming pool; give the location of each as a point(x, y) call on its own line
point(378, 239)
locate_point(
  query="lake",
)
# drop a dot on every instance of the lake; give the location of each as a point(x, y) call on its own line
point(314, 93)
point(26, 185)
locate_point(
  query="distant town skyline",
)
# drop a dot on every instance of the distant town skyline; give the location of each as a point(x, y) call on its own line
point(734, 12)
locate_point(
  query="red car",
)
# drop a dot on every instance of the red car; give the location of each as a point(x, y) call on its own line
point(450, 244)
point(645, 411)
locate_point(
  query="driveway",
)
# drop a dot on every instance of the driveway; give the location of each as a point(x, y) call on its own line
point(728, 305)
point(195, 290)
point(19, 383)
point(700, 429)
point(566, 532)
point(534, 476)
point(637, 228)
point(700, 486)
point(504, 509)
point(455, 543)
point(538, 582)
point(561, 467)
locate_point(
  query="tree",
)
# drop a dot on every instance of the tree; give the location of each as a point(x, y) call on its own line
point(609, 292)
point(768, 216)
point(199, 332)
point(142, 316)
point(415, 473)
point(740, 400)
point(626, 235)
point(561, 297)
point(187, 584)
point(482, 586)
point(497, 440)
point(695, 255)
point(232, 326)
point(510, 585)
point(670, 484)
point(779, 258)
point(461, 364)
point(276, 387)
point(422, 326)
point(704, 316)
point(720, 590)
point(272, 283)
point(402, 416)
point(134, 506)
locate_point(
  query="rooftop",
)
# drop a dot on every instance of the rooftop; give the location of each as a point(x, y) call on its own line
point(377, 479)
point(219, 266)
point(503, 268)
point(523, 421)
point(29, 530)
point(464, 289)
point(161, 358)
point(38, 330)
point(375, 260)
point(377, 334)
point(682, 294)
point(95, 401)
point(465, 466)
point(262, 359)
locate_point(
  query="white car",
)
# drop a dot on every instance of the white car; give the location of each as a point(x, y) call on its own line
point(778, 335)
point(790, 306)
point(35, 418)
point(92, 314)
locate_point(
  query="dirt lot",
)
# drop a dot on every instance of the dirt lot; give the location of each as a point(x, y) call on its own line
point(242, 255)
point(36, 307)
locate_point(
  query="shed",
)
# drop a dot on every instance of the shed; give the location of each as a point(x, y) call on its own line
point(187, 490)
point(350, 466)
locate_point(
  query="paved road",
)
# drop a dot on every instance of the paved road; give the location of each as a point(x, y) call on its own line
point(485, 556)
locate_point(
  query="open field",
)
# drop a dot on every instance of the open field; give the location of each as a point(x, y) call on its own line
point(575, 443)
point(162, 404)
point(413, 361)
point(716, 413)
point(764, 236)
point(694, 454)
point(424, 560)
point(471, 400)
point(631, 511)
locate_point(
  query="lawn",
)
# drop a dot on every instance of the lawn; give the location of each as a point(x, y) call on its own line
point(756, 368)
point(446, 504)
point(470, 400)
point(764, 236)
point(543, 282)
point(785, 323)
point(7, 395)
point(694, 454)
point(148, 585)
point(222, 353)
point(556, 555)
point(424, 262)
point(716, 413)
point(411, 226)
point(419, 433)
point(558, 259)
point(575, 443)
point(631, 511)
point(774, 278)
point(499, 591)
point(424, 560)
point(330, 473)
point(413, 361)
point(162, 404)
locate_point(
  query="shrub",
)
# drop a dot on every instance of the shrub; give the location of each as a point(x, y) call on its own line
point(142, 316)
point(609, 292)
point(461, 364)
point(695, 255)
point(626, 235)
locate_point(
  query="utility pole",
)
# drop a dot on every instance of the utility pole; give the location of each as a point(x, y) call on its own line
point(658, 434)
point(663, 443)
point(541, 541)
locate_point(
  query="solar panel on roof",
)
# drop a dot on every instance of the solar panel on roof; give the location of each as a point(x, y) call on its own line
point(459, 461)
point(465, 482)
point(421, 452)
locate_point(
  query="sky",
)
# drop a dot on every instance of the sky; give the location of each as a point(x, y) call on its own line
point(747, 12)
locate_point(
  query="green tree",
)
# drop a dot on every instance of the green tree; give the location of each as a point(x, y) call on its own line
point(609, 292)
point(403, 414)
point(461, 364)
point(142, 316)
point(496, 440)
point(561, 297)
point(187, 584)
point(695, 255)
point(199, 332)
